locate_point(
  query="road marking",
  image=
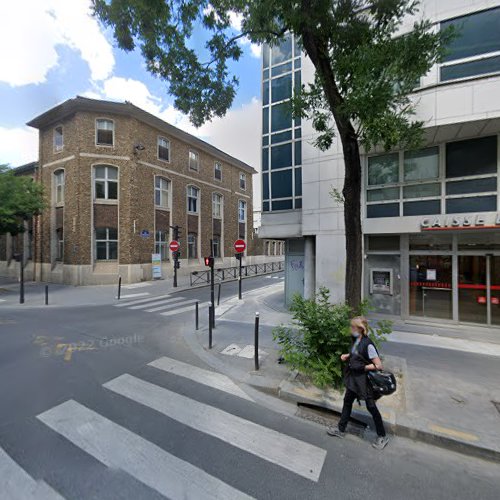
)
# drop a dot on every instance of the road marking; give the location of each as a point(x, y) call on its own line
point(231, 350)
point(130, 295)
point(157, 302)
point(140, 301)
point(466, 436)
point(17, 484)
point(170, 306)
point(288, 452)
point(136, 285)
point(212, 379)
point(183, 309)
point(119, 448)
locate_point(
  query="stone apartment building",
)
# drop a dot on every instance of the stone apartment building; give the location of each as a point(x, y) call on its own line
point(116, 180)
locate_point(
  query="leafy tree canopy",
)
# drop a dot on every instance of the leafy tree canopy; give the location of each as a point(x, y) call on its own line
point(20, 199)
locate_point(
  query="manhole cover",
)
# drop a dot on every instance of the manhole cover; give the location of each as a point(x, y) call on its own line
point(496, 404)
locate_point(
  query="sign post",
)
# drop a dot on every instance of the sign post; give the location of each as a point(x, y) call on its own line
point(239, 247)
point(174, 248)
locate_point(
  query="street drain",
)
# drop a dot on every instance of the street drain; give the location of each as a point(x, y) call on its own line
point(496, 404)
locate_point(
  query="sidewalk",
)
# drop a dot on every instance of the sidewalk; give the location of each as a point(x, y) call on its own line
point(437, 402)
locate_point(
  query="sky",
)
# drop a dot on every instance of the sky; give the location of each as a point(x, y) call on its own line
point(53, 50)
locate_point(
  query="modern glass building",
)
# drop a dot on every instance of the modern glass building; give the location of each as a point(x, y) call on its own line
point(430, 217)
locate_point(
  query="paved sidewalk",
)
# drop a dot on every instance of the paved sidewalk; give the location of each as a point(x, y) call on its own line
point(448, 400)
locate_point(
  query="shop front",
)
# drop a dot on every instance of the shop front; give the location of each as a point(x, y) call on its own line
point(446, 274)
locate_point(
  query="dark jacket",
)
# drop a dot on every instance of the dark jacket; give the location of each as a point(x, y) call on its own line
point(355, 377)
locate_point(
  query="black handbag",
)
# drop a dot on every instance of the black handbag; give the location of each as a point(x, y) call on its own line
point(382, 382)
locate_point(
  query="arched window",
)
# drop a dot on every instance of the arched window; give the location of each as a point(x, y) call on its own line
point(106, 182)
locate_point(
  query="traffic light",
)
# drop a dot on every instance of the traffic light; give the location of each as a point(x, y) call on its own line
point(209, 261)
point(238, 255)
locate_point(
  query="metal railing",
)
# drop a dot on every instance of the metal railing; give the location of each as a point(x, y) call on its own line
point(231, 273)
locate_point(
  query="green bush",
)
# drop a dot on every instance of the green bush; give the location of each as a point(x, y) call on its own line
point(320, 334)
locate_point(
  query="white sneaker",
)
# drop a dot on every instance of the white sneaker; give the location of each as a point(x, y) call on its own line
point(380, 443)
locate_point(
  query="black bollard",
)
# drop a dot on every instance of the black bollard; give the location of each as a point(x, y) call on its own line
point(256, 341)
point(46, 295)
point(210, 313)
point(197, 321)
point(218, 294)
point(119, 287)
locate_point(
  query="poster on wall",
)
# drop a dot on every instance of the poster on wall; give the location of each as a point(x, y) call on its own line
point(381, 281)
point(431, 275)
point(156, 261)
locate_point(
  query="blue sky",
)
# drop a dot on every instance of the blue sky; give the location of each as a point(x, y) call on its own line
point(52, 50)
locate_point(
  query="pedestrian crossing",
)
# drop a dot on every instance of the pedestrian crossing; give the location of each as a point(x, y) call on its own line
point(165, 305)
point(119, 448)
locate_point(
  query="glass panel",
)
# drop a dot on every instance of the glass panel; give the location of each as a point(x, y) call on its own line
point(281, 184)
point(282, 205)
point(477, 33)
point(382, 194)
point(471, 157)
point(495, 289)
point(298, 202)
point(265, 55)
point(112, 173)
point(281, 88)
point(430, 286)
point(383, 169)
point(283, 68)
point(298, 182)
point(422, 164)
point(472, 186)
point(157, 197)
point(113, 250)
point(281, 137)
point(426, 207)
point(265, 186)
point(100, 189)
point(298, 133)
point(473, 204)
point(282, 52)
point(265, 120)
point(430, 241)
point(100, 233)
point(385, 242)
point(298, 153)
point(281, 117)
point(265, 93)
point(100, 172)
point(297, 63)
point(385, 210)
point(265, 74)
point(112, 190)
point(421, 190)
point(105, 137)
point(479, 241)
point(265, 140)
point(101, 250)
point(297, 83)
point(265, 159)
point(472, 68)
point(265, 206)
point(472, 288)
point(281, 156)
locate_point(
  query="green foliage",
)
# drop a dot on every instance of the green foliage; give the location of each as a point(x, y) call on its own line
point(320, 334)
point(21, 198)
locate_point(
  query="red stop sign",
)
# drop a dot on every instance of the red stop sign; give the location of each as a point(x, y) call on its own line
point(240, 245)
point(174, 246)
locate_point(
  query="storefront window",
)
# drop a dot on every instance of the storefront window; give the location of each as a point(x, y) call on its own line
point(471, 157)
point(430, 242)
point(383, 169)
point(422, 164)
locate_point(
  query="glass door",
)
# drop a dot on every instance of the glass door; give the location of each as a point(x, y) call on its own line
point(472, 289)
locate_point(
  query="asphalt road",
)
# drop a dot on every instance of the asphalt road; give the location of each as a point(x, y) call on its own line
point(84, 416)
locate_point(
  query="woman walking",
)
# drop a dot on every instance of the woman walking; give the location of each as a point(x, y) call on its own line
point(362, 358)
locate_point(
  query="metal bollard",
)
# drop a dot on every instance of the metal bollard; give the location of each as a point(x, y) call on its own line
point(210, 313)
point(197, 318)
point(119, 287)
point(46, 295)
point(218, 294)
point(256, 341)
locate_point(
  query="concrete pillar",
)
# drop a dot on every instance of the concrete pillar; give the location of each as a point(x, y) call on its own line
point(309, 267)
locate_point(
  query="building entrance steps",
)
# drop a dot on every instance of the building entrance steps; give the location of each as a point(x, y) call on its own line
point(447, 381)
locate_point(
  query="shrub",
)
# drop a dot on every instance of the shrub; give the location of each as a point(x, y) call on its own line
point(320, 334)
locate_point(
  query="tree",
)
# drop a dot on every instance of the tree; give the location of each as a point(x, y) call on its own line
point(365, 69)
point(22, 198)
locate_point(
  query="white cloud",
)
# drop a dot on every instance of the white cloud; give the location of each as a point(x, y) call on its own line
point(29, 53)
point(18, 145)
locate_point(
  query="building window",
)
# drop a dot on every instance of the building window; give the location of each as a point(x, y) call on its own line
point(243, 181)
point(106, 243)
point(193, 195)
point(59, 186)
point(242, 211)
point(59, 244)
point(58, 139)
point(194, 160)
point(383, 169)
point(161, 244)
point(216, 247)
point(217, 206)
point(192, 246)
point(162, 192)
point(421, 165)
point(218, 171)
point(163, 149)
point(475, 49)
point(104, 132)
point(106, 183)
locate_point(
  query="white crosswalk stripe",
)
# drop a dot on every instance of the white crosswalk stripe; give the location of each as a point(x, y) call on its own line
point(166, 305)
point(17, 484)
point(117, 447)
point(155, 302)
point(290, 453)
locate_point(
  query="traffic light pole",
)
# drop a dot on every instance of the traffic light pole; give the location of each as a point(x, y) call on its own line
point(240, 281)
point(176, 255)
point(212, 283)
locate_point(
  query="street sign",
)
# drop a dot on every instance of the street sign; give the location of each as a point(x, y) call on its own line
point(240, 245)
point(174, 246)
point(144, 233)
point(156, 265)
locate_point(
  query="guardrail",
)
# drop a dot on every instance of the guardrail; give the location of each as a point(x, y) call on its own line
point(231, 273)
